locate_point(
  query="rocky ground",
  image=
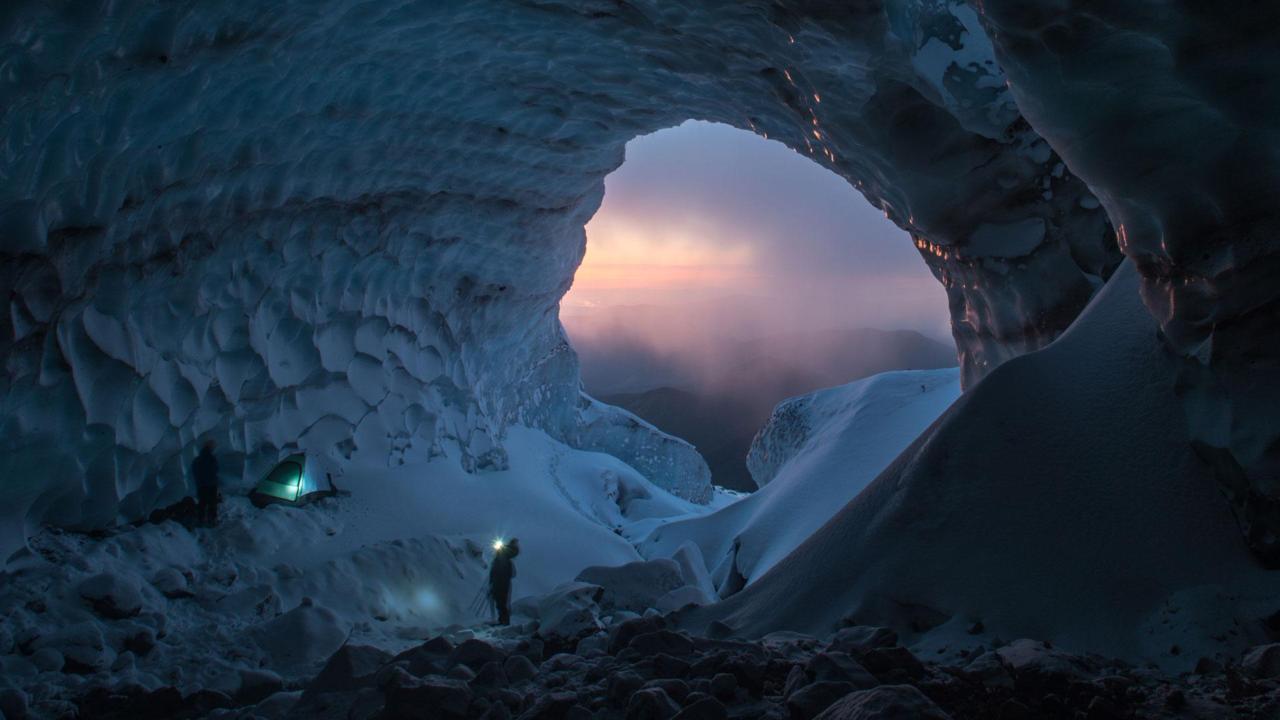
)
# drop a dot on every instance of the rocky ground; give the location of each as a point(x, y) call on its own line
point(642, 669)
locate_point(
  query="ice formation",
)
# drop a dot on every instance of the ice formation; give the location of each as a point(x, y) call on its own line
point(1059, 499)
point(345, 228)
point(814, 455)
point(1169, 114)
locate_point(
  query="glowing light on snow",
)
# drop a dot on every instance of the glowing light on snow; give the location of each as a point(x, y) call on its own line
point(817, 98)
point(498, 544)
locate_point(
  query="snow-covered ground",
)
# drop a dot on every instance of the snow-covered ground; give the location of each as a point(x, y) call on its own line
point(1059, 499)
point(815, 454)
point(282, 588)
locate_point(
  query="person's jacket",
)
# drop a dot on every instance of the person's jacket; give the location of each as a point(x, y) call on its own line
point(205, 470)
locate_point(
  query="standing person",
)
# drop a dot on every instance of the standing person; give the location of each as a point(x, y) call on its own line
point(501, 573)
point(205, 471)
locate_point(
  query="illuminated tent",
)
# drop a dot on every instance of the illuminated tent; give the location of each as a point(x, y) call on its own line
point(293, 481)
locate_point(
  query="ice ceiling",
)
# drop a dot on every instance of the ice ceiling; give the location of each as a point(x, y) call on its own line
point(342, 224)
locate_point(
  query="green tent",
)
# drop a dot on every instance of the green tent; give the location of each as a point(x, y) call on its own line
point(292, 481)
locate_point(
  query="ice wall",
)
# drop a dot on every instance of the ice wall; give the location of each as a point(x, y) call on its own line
point(346, 226)
point(1169, 113)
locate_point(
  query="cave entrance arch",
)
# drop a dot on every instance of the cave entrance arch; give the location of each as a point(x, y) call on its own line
point(724, 273)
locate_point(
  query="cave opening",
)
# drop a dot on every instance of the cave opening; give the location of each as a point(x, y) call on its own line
point(725, 272)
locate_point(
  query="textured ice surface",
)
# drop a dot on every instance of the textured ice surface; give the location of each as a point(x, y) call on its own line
point(1027, 507)
point(1169, 114)
point(345, 227)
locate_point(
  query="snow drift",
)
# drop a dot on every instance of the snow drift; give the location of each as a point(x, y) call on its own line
point(1058, 499)
point(815, 454)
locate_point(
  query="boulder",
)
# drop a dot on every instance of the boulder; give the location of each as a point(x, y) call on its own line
point(519, 668)
point(474, 654)
point(635, 586)
point(861, 638)
point(812, 699)
point(662, 641)
point(840, 667)
point(350, 668)
point(887, 702)
point(1263, 662)
point(428, 698)
point(704, 709)
point(651, 704)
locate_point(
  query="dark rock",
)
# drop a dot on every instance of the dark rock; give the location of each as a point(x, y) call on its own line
point(840, 666)
point(1101, 708)
point(651, 704)
point(622, 685)
point(666, 666)
point(350, 668)
point(492, 675)
point(620, 635)
point(677, 690)
point(892, 662)
point(661, 641)
point(976, 628)
point(463, 673)
point(1014, 710)
point(1263, 662)
point(474, 654)
point(519, 668)
point(1176, 700)
point(796, 679)
point(551, 706)
point(724, 685)
point(577, 712)
point(854, 640)
point(438, 645)
point(703, 709)
point(815, 697)
point(887, 702)
point(532, 648)
point(428, 698)
point(13, 704)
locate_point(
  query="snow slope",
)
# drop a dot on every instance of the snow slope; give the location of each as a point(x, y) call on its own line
point(281, 588)
point(815, 454)
point(1058, 499)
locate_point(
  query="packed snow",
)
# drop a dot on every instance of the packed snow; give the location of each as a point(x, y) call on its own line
point(281, 588)
point(815, 454)
point(1059, 499)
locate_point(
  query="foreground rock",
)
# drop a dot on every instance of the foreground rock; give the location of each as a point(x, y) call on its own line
point(645, 669)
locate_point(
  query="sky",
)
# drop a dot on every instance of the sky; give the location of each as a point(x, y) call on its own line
point(704, 217)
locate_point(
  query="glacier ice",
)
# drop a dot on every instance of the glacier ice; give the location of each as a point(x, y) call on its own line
point(1059, 498)
point(1169, 114)
point(357, 246)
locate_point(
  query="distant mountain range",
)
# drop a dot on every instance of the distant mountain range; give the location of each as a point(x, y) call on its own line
point(719, 409)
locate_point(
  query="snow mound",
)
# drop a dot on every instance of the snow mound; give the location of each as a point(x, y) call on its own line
point(1058, 499)
point(814, 455)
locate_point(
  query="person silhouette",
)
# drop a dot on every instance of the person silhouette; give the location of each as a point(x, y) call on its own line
point(501, 572)
point(204, 469)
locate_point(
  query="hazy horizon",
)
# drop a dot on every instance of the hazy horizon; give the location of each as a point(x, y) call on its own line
point(709, 235)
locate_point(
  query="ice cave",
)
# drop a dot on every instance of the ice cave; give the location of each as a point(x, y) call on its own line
point(343, 231)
